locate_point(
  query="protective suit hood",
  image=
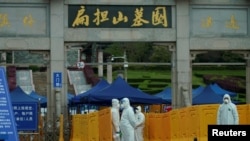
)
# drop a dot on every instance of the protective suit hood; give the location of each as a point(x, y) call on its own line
point(125, 103)
point(115, 103)
point(227, 96)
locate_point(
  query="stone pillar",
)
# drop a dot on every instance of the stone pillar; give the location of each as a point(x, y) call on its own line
point(58, 96)
point(109, 72)
point(248, 80)
point(100, 61)
point(182, 51)
point(57, 57)
point(50, 96)
point(186, 96)
point(173, 76)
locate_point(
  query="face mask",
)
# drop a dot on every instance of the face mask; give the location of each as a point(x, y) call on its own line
point(225, 101)
point(136, 111)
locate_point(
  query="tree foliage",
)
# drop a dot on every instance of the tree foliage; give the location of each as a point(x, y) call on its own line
point(147, 52)
point(160, 54)
point(140, 52)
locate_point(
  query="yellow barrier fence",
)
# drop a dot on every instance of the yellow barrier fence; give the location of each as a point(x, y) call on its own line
point(242, 110)
point(175, 125)
point(182, 124)
point(156, 127)
point(248, 113)
point(61, 138)
point(105, 126)
point(79, 129)
point(93, 128)
point(193, 123)
point(207, 115)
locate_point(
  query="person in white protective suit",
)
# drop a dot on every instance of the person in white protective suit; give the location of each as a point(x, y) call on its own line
point(140, 123)
point(128, 122)
point(115, 119)
point(227, 113)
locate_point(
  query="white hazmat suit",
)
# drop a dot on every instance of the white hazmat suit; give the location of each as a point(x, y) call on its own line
point(115, 119)
point(128, 122)
point(227, 113)
point(140, 123)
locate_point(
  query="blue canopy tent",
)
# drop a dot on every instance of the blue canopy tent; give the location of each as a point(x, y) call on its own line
point(99, 86)
point(207, 96)
point(220, 91)
point(70, 97)
point(166, 93)
point(18, 95)
point(120, 89)
point(42, 100)
point(198, 90)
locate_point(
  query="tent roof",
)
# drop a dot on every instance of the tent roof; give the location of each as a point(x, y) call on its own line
point(43, 99)
point(198, 90)
point(207, 96)
point(70, 97)
point(40, 98)
point(100, 85)
point(120, 89)
point(217, 89)
point(18, 95)
point(166, 93)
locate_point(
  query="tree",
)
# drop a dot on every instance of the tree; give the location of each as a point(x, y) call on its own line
point(136, 52)
point(160, 54)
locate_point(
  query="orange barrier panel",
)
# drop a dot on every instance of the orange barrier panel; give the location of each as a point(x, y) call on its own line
point(183, 124)
point(78, 130)
point(156, 128)
point(208, 115)
point(146, 127)
point(105, 125)
point(84, 126)
point(166, 127)
point(248, 113)
point(103, 107)
point(193, 120)
point(93, 128)
point(61, 137)
point(175, 125)
point(242, 111)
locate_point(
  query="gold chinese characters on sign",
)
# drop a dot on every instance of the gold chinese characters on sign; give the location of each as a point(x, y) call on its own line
point(27, 20)
point(112, 16)
point(231, 24)
point(4, 21)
